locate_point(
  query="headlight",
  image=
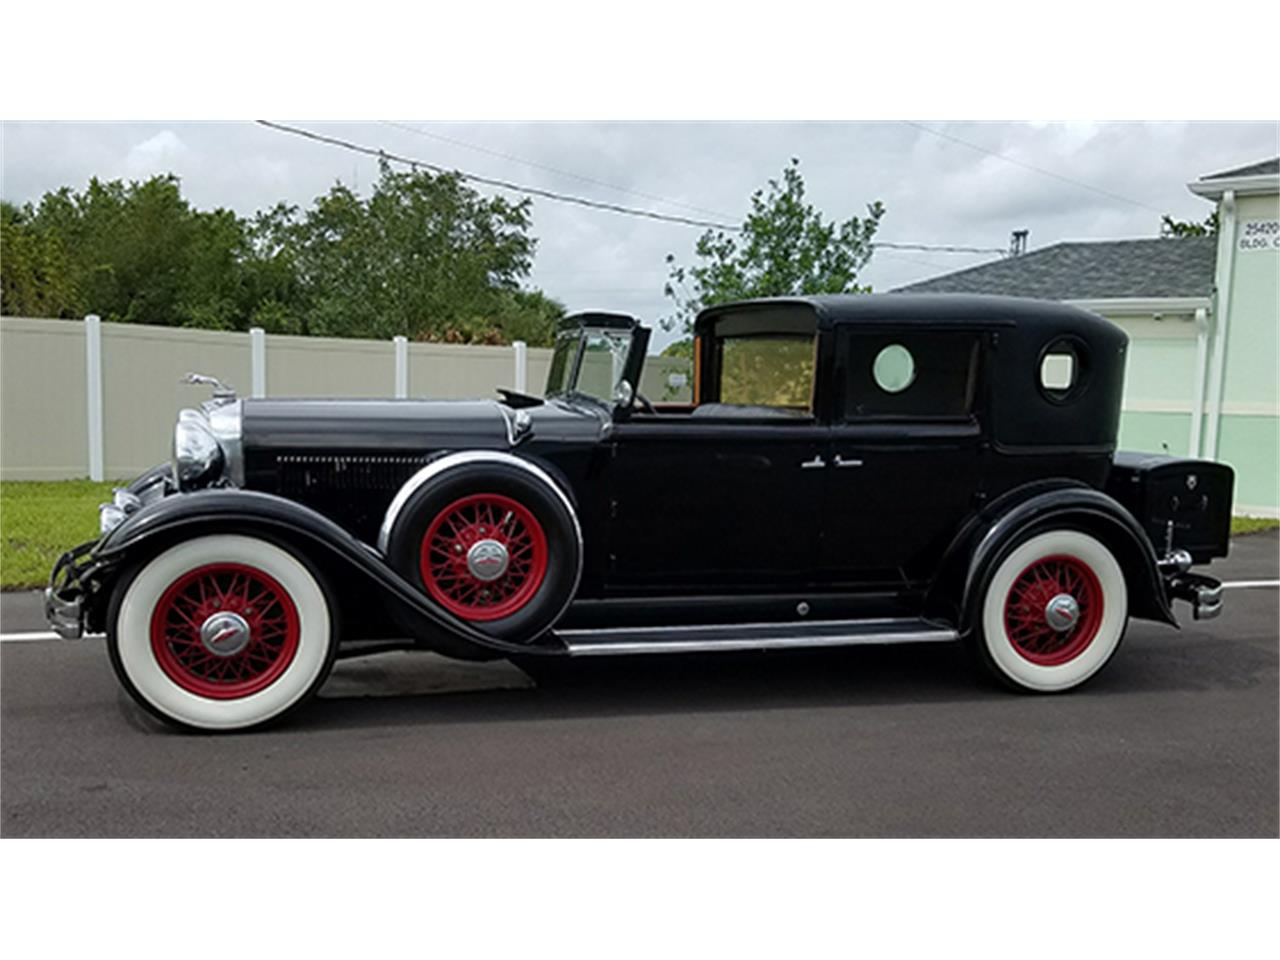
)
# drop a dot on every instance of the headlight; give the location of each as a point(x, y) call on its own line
point(196, 454)
point(111, 515)
point(225, 425)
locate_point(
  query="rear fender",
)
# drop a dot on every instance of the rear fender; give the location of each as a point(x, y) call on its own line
point(186, 515)
point(985, 540)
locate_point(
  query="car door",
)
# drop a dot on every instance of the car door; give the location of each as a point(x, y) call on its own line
point(903, 460)
point(715, 505)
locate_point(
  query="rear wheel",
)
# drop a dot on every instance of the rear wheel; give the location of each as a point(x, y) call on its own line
point(1053, 612)
point(221, 632)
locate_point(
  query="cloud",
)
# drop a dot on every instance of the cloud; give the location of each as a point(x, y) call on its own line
point(162, 153)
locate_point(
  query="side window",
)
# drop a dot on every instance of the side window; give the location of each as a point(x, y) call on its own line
point(909, 374)
point(767, 371)
point(1062, 369)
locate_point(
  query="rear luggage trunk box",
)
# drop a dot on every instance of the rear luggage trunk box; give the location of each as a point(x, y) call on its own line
point(1182, 504)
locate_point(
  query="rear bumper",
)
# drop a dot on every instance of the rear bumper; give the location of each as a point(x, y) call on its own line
point(1203, 593)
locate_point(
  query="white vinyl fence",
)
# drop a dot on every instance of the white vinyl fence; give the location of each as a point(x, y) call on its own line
point(86, 398)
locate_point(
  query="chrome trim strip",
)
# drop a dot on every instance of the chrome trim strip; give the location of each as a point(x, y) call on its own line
point(448, 462)
point(758, 643)
point(764, 625)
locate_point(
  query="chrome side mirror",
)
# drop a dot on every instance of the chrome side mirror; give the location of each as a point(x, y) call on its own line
point(624, 394)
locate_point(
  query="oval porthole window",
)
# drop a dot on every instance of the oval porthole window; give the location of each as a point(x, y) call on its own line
point(894, 368)
point(1059, 371)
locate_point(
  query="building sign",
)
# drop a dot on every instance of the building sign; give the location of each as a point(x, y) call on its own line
point(1258, 235)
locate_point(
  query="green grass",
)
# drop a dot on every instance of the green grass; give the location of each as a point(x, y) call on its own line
point(1243, 525)
point(40, 520)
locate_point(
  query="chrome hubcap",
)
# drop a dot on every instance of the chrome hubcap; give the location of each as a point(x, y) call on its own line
point(487, 560)
point(1062, 612)
point(225, 634)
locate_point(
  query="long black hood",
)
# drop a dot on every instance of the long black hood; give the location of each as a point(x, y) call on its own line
point(383, 426)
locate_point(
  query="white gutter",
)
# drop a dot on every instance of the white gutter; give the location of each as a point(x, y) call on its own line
point(1257, 185)
point(1226, 261)
point(1141, 306)
point(1197, 399)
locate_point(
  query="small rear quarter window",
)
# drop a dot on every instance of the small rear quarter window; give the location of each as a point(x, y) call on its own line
point(1060, 370)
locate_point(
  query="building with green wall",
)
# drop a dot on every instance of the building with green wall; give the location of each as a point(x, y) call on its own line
point(1203, 318)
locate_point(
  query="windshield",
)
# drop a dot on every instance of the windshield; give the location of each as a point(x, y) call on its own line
point(590, 362)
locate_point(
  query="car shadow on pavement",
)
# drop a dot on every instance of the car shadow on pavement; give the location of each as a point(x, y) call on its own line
point(690, 684)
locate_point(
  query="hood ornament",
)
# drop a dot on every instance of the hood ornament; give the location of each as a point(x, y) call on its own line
point(221, 391)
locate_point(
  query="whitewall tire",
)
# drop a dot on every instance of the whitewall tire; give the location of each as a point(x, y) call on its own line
point(1053, 612)
point(221, 632)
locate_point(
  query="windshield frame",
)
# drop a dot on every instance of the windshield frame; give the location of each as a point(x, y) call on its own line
point(574, 334)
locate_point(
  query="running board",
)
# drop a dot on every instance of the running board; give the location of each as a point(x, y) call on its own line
point(751, 636)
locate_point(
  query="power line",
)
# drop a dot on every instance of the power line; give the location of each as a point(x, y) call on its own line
point(542, 166)
point(414, 163)
point(938, 248)
point(501, 184)
point(1028, 166)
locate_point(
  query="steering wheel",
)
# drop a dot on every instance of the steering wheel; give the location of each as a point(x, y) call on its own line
point(645, 405)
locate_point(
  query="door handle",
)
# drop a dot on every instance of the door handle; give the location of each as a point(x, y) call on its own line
point(817, 463)
point(840, 462)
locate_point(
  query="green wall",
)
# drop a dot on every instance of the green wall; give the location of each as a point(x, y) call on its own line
point(1155, 432)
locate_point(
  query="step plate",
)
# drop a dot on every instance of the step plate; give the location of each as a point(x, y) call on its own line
point(751, 636)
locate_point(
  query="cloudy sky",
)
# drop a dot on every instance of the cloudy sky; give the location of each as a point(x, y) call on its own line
point(936, 189)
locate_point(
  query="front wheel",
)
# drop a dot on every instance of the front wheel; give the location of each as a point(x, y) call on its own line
point(1053, 612)
point(221, 632)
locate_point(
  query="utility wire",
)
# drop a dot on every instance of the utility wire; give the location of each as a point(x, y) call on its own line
point(1028, 166)
point(501, 184)
point(414, 163)
point(407, 128)
point(938, 248)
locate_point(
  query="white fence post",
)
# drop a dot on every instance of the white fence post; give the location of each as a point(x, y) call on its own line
point(93, 387)
point(402, 367)
point(522, 365)
point(258, 361)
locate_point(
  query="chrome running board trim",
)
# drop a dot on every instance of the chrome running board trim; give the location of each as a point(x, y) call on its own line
point(753, 636)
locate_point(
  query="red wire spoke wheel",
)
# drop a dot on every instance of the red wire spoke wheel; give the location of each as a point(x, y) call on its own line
point(483, 557)
point(225, 631)
point(1053, 610)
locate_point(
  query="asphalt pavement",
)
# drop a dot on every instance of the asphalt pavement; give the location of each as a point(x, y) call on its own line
point(1177, 737)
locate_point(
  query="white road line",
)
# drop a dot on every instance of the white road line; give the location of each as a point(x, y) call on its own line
point(1245, 584)
point(39, 635)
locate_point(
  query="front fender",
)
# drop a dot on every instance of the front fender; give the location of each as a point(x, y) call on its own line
point(981, 545)
point(190, 514)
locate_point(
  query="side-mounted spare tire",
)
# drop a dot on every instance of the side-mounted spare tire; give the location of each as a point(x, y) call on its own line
point(494, 543)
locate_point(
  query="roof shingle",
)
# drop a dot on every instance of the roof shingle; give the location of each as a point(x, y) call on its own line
point(1259, 169)
point(1100, 270)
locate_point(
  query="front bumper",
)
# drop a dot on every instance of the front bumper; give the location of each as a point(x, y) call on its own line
point(1203, 593)
point(69, 584)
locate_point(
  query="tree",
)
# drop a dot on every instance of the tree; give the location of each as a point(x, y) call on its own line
point(35, 270)
point(424, 257)
point(784, 248)
point(1171, 228)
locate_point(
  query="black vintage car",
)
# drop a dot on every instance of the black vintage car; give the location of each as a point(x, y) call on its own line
point(851, 470)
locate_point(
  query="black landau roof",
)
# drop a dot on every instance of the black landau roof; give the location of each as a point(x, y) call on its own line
point(1022, 413)
point(924, 309)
